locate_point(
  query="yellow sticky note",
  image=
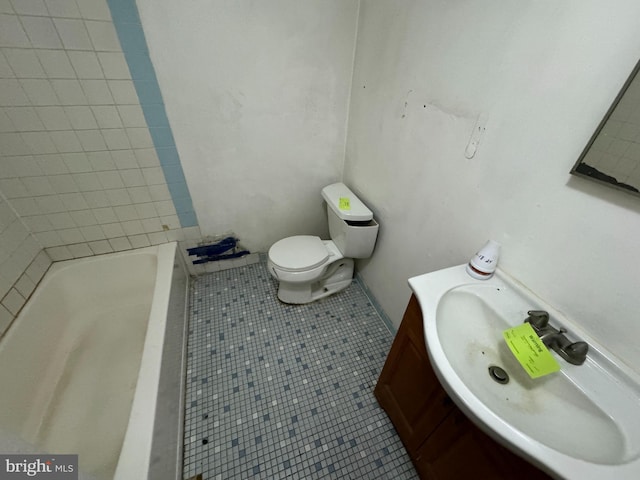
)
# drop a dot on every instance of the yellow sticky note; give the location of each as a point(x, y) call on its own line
point(529, 350)
point(344, 203)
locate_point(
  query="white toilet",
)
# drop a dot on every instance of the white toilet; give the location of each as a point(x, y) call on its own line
point(308, 268)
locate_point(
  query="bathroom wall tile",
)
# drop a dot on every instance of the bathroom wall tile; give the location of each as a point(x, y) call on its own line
point(59, 254)
point(77, 162)
point(29, 7)
point(100, 247)
point(147, 157)
point(92, 233)
point(13, 188)
point(39, 92)
point(24, 118)
point(5, 123)
point(48, 239)
point(85, 64)
point(56, 63)
point(51, 164)
point(159, 192)
point(66, 141)
point(103, 36)
point(25, 206)
point(139, 241)
point(97, 199)
point(152, 225)
point(63, 8)
point(139, 195)
point(97, 92)
point(53, 118)
point(70, 236)
point(120, 244)
point(12, 33)
point(94, 10)
point(6, 317)
point(112, 230)
point(63, 184)
point(79, 250)
point(118, 196)
point(13, 94)
point(125, 213)
point(146, 210)
point(101, 161)
point(69, 92)
point(153, 175)
point(114, 66)
point(132, 116)
point(132, 177)
point(157, 238)
point(61, 220)
point(37, 186)
point(50, 204)
point(73, 34)
point(133, 227)
point(91, 140)
point(25, 286)
point(24, 63)
point(83, 218)
point(39, 142)
point(13, 144)
point(124, 159)
point(123, 91)
point(24, 166)
point(13, 301)
point(41, 32)
point(81, 117)
point(37, 223)
point(107, 116)
point(116, 139)
point(170, 222)
point(5, 69)
point(87, 181)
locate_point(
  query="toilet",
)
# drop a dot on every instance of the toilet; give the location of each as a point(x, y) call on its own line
point(308, 268)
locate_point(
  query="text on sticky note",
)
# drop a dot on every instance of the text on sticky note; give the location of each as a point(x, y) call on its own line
point(529, 350)
point(344, 203)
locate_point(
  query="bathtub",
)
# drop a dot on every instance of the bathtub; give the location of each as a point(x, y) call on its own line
point(94, 365)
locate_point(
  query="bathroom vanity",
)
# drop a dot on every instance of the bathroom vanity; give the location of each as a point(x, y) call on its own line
point(441, 441)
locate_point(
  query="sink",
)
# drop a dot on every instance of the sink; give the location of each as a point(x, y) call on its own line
point(580, 422)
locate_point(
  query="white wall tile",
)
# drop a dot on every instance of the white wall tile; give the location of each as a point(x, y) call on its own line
point(146, 210)
point(41, 32)
point(97, 92)
point(101, 161)
point(37, 186)
point(39, 92)
point(81, 117)
point(61, 220)
point(80, 250)
point(118, 196)
point(53, 118)
point(157, 238)
point(87, 181)
point(126, 213)
point(133, 227)
point(60, 253)
point(116, 139)
point(69, 92)
point(84, 218)
point(25, 119)
point(13, 188)
point(113, 230)
point(13, 144)
point(153, 175)
point(85, 64)
point(92, 233)
point(30, 7)
point(139, 194)
point(51, 164)
point(107, 116)
point(13, 301)
point(12, 92)
point(50, 204)
point(24, 166)
point(73, 34)
point(70, 235)
point(110, 179)
point(63, 8)
point(132, 116)
point(56, 63)
point(12, 33)
point(66, 141)
point(5, 69)
point(39, 142)
point(139, 241)
point(114, 66)
point(91, 140)
point(97, 199)
point(132, 177)
point(77, 162)
point(95, 9)
point(5, 123)
point(100, 247)
point(124, 93)
point(124, 159)
point(24, 63)
point(147, 157)
point(140, 138)
point(103, 36)
point(119, 244)
point(6, 318)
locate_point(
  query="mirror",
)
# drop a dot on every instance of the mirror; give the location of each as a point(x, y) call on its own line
point(612, 155)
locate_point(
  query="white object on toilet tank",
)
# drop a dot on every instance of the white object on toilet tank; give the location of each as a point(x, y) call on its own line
point(345, 204)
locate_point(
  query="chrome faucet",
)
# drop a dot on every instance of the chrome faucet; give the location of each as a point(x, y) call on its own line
point(555, 339)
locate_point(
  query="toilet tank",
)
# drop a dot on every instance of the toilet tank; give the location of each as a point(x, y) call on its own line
point(351, 224)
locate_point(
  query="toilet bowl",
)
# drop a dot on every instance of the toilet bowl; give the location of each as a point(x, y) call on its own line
point(308, 268)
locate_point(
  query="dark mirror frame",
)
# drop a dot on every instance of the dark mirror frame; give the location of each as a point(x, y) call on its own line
point(583, 170)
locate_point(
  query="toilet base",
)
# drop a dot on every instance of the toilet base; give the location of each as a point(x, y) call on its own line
point(337, 277)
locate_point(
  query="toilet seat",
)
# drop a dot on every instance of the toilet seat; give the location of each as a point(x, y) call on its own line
point(299, 253)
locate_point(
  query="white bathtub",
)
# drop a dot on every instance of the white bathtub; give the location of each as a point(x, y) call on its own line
point(94, 363)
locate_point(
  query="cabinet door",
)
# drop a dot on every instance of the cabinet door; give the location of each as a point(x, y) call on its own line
point(458, 449)
point(408, 389)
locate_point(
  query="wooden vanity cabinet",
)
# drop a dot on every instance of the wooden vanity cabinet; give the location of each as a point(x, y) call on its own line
point(441, 441)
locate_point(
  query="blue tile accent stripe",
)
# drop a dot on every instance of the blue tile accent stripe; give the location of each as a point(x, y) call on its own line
point(134, 45)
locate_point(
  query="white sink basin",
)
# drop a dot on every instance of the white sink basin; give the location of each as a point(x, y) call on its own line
point(581, 422)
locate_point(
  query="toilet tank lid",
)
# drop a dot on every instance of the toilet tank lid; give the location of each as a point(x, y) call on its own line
point(350, 208)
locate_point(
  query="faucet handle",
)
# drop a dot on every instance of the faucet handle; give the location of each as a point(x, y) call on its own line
point(537, 318)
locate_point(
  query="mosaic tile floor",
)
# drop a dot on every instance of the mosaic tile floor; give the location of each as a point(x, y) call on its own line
point(277, 391)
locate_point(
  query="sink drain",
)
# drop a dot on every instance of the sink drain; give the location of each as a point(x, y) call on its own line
point(497, 374)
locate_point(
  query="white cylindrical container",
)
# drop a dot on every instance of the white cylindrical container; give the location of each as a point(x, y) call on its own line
point(484, 263)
